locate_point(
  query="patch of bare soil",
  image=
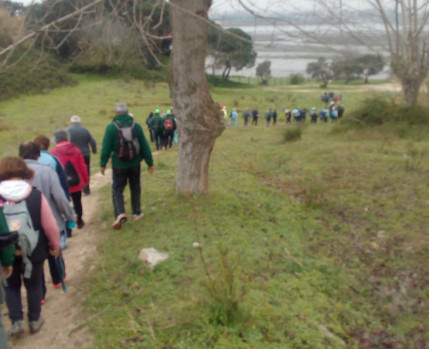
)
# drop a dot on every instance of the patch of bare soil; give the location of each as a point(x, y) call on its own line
point(64, 326)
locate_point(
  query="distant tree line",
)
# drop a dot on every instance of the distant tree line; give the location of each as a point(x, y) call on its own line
point(345, 68)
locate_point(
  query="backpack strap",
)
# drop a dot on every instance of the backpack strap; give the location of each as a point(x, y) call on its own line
point(34, 207)
point(117, 125)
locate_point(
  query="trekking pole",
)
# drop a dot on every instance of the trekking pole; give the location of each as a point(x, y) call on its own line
point(63, 284)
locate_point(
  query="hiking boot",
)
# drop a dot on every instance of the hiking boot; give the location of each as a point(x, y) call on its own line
point(17, 329)
point(121, 219)
point(80, 224)
point(35, 326)
point(137, 217)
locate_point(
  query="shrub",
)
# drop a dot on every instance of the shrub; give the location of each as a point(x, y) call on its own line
point(293, 134)
point(377, 112)
point(36, 73)
point(296, 79)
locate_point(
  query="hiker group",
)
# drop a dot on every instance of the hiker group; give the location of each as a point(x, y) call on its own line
point(331, 111)
point(41, 203)
point(162, 129)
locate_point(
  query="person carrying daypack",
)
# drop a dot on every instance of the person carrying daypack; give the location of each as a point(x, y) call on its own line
point(168, 128)
point(74, 164)
point(148, 122)
point(27, 211)
point(156, 127)
point(255, 116)
point(125, 170)
point(7, 248)
point(129, 145)
point(48, 183)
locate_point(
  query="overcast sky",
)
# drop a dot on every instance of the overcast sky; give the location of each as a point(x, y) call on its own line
point(264, 6)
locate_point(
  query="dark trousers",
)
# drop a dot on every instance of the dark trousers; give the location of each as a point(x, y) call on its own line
point(158, 139)
point(33, 285)
point(77, 204)
point(57, 269)
point(168, 140)
point(255, 121)
point(120, 178)
point(87, 162)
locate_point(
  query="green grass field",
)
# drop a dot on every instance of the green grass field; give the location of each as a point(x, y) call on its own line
point(321, 242)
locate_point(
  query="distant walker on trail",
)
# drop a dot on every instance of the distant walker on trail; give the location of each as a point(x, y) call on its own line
point(82, 138)
point(119, 144)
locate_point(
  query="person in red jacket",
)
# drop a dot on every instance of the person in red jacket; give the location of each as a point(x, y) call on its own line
point(75, 167)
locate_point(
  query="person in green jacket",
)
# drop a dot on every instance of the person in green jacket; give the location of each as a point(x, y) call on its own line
point(168, 128)
point(6, 261)
point(124, 170)
point(156, 127)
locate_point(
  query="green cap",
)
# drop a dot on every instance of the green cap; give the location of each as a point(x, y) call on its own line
point(157, 111)
point(168, 112)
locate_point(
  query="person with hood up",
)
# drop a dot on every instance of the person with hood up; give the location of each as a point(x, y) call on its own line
point(75, 167)
point(14, 188)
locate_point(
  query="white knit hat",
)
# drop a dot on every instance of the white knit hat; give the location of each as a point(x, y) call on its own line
point(75, 119)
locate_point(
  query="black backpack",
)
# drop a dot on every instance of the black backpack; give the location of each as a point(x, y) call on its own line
point(129, 146)
point(72, 175)
point(157, 123)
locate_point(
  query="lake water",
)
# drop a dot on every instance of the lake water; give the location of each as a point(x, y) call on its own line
point(290, 55)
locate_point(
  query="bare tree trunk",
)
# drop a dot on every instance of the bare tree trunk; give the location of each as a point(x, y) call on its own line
point(411, 90)
point(199, 120)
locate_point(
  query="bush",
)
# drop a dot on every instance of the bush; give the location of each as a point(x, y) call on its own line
point(377, 112)
point(36, 73)
point(216, 81)
point(296, 79)
point(293, 134)
point(126, 71)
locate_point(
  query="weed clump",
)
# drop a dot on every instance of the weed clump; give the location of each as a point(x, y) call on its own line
point(378, 111)
point(293, 134)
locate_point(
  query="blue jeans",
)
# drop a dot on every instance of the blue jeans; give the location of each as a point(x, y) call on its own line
point(120, 178)
point(234, 120)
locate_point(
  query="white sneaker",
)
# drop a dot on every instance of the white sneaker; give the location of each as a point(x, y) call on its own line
point(121, 219)
point(137, 217)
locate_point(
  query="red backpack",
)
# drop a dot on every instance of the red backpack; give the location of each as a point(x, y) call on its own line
point(168, 124)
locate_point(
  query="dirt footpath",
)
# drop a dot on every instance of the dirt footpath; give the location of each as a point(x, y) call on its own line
point(64, 326)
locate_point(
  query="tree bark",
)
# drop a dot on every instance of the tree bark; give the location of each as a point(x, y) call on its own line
point(411, 91)
point(199, 121)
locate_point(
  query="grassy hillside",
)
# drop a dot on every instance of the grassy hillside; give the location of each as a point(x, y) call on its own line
point(317, 243)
